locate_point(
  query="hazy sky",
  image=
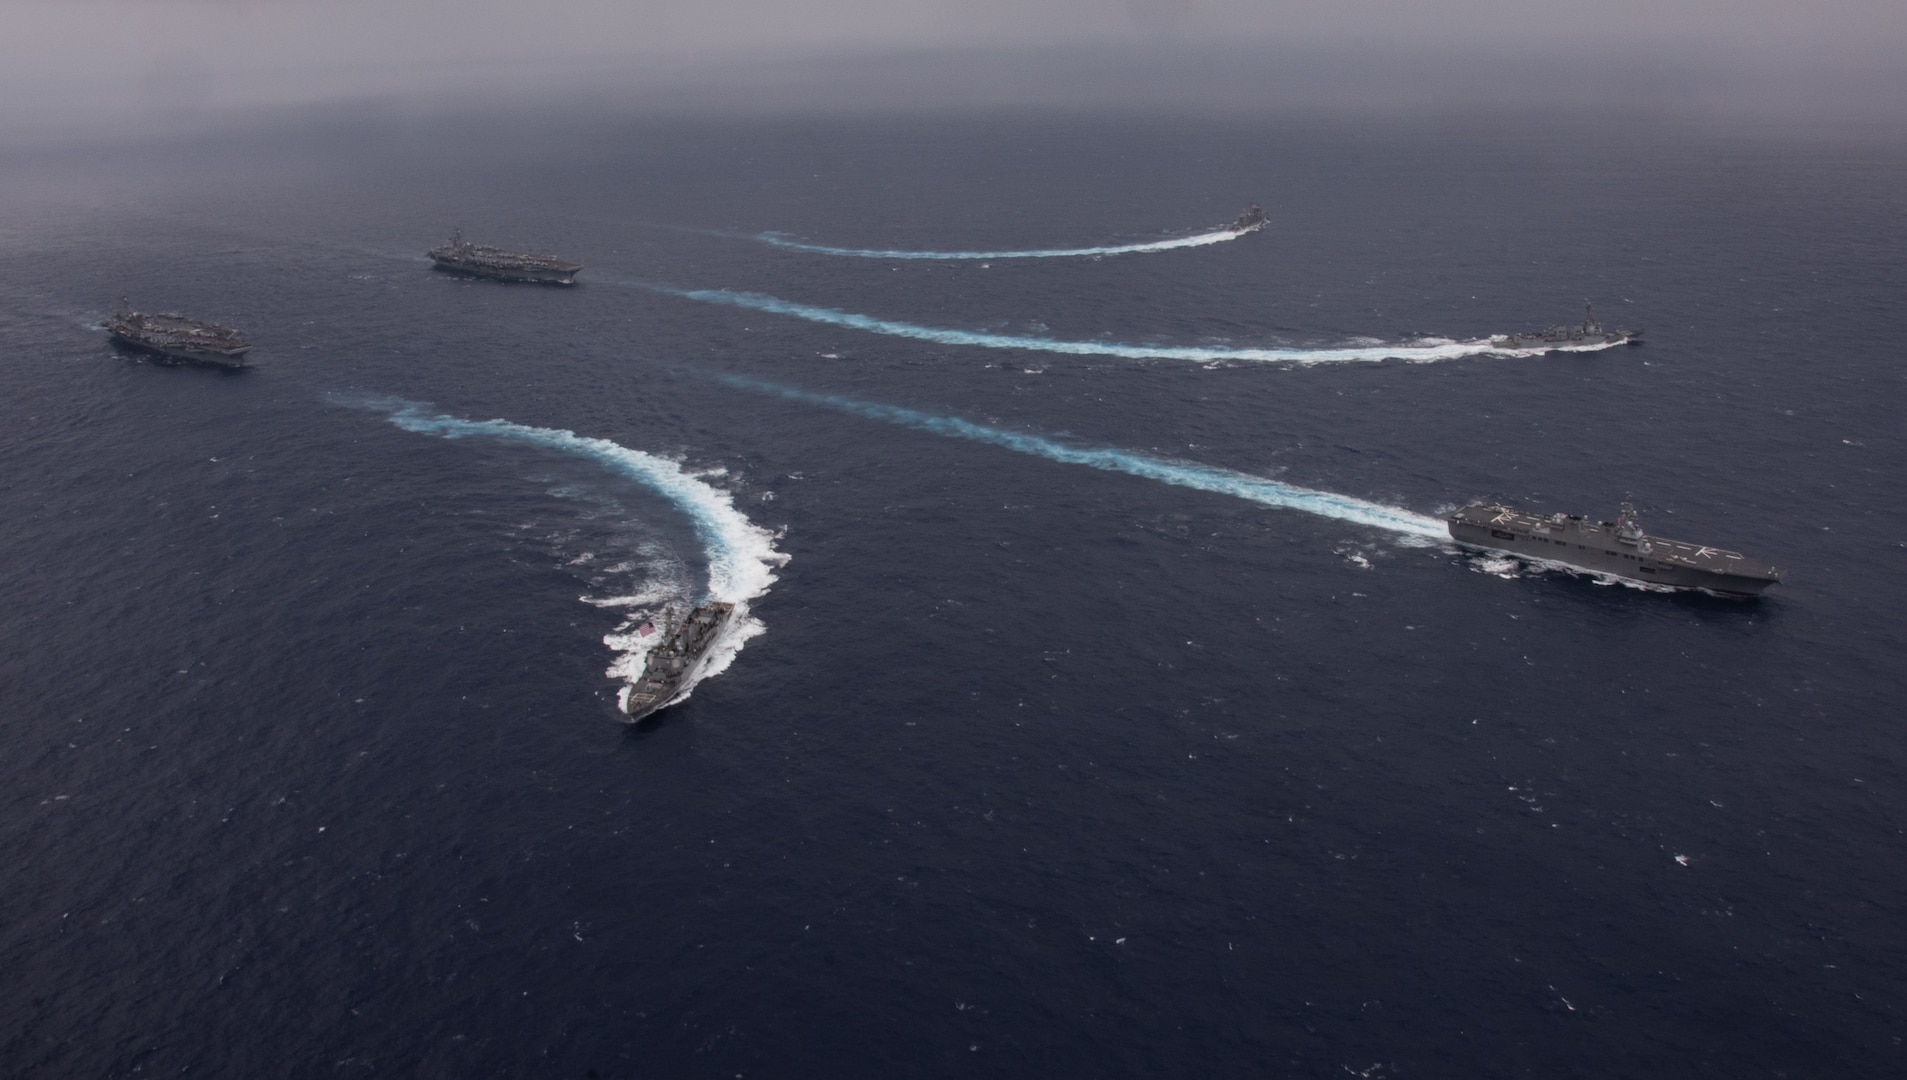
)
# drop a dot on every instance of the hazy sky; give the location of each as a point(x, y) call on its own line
point(87, 61)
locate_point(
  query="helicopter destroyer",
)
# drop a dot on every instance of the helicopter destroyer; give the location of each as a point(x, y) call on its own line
point(671, 662)
point(460, 256)
point(1567, 335)
point(175, 339)
point(1619, 548)
point(1251, 220)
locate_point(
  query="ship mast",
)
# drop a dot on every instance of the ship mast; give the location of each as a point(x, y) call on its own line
point(1628, 528)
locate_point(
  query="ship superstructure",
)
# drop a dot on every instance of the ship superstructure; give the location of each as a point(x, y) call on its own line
point(673, 660)
point(175, 339)
point(460, 256)
point(1619, 548)
point(1569, 335)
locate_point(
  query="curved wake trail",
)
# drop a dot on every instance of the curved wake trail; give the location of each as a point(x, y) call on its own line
point(1177, 473)
point(1200, 240)
point(741, 554)
point(1422, 352)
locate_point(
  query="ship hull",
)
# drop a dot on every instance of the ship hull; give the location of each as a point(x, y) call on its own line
point(528, 275)
point(644, 713)
point(674, 663)
point(1573, 341)
point(1595, 548)
point(231, 360)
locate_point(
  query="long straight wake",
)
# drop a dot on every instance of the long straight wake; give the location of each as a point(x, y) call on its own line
point(1186, 474)
point(1200, 240)
point(1424, 351)
point(742, 559)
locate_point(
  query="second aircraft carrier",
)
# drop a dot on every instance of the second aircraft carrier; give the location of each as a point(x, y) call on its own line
point(460, 256)
point(175, 339)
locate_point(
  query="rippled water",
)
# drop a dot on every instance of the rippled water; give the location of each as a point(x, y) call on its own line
point(1109, 714)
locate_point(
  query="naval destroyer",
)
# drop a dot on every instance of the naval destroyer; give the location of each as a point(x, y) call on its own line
point(463, 257)
point(1568, 335)
point(175, 339)
point(1251, 220)
point(1619, 548)
point(672, 660)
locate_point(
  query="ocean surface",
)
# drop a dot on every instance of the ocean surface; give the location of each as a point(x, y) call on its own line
point(1105, 703)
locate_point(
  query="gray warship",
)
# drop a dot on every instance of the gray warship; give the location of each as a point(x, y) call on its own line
point(460, 256)
point(1566, 335)
point(175, 339)
point(1251, 220)
point(1619, 548)
point(673, 659)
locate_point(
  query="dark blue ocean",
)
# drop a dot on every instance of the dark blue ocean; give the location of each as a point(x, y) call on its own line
point(1107, 713)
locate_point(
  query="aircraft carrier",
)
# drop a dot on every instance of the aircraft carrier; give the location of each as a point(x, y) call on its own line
point(674, 659)
point(1568, 335)
point(460, 256)
point(175, 339)
point(1619, 548)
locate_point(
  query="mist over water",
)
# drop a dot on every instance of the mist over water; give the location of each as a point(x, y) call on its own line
point(185, 65)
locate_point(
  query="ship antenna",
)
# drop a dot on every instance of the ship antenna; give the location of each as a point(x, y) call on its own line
point(1627, 526)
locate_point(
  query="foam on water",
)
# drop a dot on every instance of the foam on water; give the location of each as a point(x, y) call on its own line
point(1426, 350)
point(1200, 240)
point(742, 559)
point(1507, 566)
point(1409, 524)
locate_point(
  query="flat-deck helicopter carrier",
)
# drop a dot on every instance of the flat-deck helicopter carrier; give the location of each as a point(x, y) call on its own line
point(1619, 548)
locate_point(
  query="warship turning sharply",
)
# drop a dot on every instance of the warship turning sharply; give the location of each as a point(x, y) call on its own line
point(1619, 548)
point(176, 339)
point(673, 659)
point(1251, 220)
point(1565, 335)
point(462, 257)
